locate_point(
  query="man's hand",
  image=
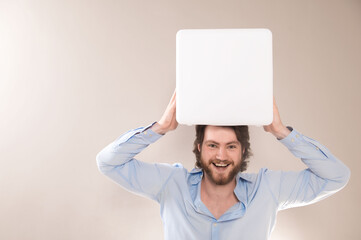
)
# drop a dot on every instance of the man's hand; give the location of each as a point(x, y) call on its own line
point(276, 127)
point(168, 121)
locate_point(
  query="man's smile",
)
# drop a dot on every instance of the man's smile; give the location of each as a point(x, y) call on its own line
point(221, 166)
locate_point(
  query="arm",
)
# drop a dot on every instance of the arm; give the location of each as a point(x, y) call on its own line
point(117, 161)
point(324, 176)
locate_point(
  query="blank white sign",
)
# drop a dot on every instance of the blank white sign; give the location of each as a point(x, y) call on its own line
point(224, 76)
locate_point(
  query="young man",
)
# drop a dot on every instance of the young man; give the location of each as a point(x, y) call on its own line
point(216, 200)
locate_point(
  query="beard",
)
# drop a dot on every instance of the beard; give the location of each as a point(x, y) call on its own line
point(222, 178)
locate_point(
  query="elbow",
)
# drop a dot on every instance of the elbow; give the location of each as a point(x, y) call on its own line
point(107, 160)
point(342, 178)
point(346, 176)
point(100, 162)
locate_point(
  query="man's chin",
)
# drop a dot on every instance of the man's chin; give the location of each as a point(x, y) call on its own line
point(223, 180)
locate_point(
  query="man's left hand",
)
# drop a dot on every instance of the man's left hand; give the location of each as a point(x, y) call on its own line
point(276, 127)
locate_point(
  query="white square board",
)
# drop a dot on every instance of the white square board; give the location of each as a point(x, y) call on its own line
point(224, 76)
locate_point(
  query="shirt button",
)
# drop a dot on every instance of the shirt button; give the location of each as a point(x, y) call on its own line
point(215, 224)
point(292, 139)
point(297, 135)
point(317, 148)
point(145, 132)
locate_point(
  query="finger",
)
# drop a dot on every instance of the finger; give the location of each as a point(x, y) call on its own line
point(274, 104)
point(174, 96)
point(173, 99)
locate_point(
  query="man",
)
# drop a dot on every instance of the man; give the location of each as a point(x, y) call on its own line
point(216, 200)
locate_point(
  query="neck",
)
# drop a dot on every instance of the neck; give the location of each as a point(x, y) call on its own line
point(217, 192)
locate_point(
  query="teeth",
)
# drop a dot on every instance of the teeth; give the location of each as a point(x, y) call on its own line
point(220, 165)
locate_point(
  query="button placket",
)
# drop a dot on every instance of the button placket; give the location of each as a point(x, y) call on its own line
point(215, 230)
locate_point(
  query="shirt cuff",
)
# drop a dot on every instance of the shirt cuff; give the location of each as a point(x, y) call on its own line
point(148, 134)
point(292, 139)
point(145, 133)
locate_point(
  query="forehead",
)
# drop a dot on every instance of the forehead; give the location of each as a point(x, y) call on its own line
point(219, 134)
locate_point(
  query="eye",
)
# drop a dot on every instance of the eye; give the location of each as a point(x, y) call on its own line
point(232, 146)
point(211, 145)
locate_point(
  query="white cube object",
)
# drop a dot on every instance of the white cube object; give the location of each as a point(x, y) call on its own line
point(224, 76)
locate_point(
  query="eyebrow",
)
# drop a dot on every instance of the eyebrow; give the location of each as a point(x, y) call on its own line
point(212, 141)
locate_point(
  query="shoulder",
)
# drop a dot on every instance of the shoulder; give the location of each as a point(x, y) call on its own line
point(255, 177)
point(181, 175)
point(177, 169)
point(178, 176)
point(260, 183)
point(264, 176)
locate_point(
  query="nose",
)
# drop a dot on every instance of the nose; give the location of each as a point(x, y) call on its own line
point(221, 154)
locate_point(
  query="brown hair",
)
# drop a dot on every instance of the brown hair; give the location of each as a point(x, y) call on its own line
point(242, 135)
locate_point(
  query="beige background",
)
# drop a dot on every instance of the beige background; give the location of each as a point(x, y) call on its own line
point(76, 74)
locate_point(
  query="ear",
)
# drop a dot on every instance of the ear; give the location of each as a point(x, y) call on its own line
point(199, 147)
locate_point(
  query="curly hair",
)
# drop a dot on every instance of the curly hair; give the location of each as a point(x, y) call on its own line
point(242, 135)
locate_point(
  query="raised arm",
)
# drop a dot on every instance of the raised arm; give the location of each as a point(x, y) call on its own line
point(324, 176)
point(117, 161)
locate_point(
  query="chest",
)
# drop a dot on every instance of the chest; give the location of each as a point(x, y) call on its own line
point(190, 220)
point(218, 207)
point(187, 215)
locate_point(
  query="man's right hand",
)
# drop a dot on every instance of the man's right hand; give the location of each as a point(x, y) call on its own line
point(168, 121)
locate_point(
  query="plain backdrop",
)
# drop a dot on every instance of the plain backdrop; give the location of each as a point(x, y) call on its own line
point(76, 74)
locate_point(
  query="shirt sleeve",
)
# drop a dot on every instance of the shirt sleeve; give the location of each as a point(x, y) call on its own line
point(324, 176)
point(117, 162)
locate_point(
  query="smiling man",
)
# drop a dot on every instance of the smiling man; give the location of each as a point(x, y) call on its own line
point(217, 199)
point(220, 154)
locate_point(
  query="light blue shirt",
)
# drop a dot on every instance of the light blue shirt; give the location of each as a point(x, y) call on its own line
point(261, 195)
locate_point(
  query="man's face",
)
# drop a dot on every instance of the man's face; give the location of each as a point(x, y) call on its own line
point(221, 154)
